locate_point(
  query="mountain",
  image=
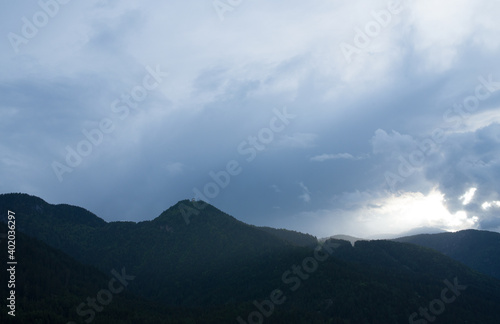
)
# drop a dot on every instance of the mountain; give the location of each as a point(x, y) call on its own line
point(403, 275)
point(348, 238)
point(50, 286)
point(292, 237)
point(212, 254)
point(414, 231)
point(479, 250)
point(198, 264)
point(422, 230)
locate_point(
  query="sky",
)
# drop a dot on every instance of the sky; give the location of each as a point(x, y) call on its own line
point(326, 117)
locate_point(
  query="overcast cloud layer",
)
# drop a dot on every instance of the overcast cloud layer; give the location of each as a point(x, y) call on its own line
point(327, 117)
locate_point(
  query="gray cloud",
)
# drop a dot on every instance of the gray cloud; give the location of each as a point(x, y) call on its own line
point(306, 194)
point(470, 160)
point(337, 156)
point(222, 84)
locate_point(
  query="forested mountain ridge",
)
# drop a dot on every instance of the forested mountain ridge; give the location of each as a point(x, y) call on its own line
point(479, 250)
point(216, 269)
point(51, 287)
point(292, 237)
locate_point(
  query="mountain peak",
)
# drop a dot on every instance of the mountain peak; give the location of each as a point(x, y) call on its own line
point(188, 212)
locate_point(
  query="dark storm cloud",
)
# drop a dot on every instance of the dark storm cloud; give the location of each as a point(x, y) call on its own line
point(470, 160)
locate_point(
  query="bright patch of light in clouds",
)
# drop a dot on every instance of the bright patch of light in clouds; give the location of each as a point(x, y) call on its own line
point(467, 197)
point(477, 121)
point(393, 214)
point(488, 205)
point(412, 210)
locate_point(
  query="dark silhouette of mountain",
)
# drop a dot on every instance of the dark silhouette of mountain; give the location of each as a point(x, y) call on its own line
point(479, 250)
point(422, 230)
point(200, 265)
point(50, 287)
point(348, 238)
point(212, 255)
point(413, 231)
point(292, 237)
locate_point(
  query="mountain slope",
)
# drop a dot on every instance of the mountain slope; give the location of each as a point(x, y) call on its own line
point(348, 238)
point(50, 286)
point(393, 280)
point(223, 269)
point(293, 237)
point(167, 254)
point(480, 250)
